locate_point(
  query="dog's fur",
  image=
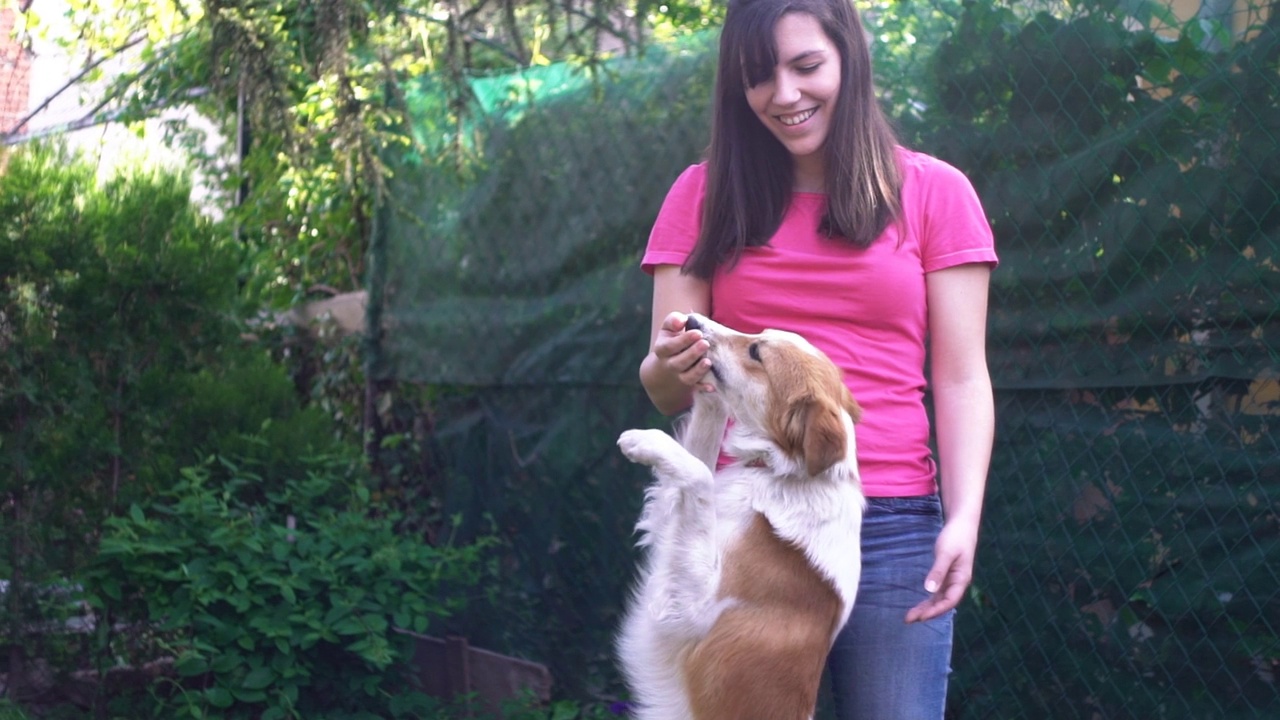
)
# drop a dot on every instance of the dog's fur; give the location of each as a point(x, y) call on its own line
point(749, 572)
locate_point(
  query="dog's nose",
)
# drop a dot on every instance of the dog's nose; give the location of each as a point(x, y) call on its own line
point(691, 323)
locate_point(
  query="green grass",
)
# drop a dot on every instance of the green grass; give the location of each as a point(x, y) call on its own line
point(9, 711)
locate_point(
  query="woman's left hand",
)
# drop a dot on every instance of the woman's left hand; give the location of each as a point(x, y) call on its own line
point(951, 573)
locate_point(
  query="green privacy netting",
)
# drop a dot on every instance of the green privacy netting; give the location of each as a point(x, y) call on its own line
point(535, 259)
point(1127, 566)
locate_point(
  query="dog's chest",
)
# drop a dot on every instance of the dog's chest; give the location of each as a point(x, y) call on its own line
point(736, 493)
point(822, 521)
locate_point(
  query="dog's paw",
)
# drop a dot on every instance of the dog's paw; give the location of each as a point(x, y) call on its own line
point(648, 447)
point(672, 465)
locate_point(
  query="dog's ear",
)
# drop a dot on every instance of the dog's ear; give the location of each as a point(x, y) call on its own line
point(813, 429)
point(851, 406)
point(824, 438)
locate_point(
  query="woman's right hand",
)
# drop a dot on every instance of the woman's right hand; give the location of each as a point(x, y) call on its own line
point(682, 353)
point(676, 363)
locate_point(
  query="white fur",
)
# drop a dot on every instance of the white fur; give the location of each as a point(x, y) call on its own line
point(691, 518)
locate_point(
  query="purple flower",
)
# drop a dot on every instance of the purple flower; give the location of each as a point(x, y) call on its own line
point(620, 708)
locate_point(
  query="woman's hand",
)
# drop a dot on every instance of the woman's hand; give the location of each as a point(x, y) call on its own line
point(682, 353)
point(951, 573)
point(676, 362)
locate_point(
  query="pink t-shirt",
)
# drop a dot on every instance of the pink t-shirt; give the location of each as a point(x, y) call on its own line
point(865, 308)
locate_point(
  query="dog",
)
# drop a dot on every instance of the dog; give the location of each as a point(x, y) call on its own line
point(749, 571)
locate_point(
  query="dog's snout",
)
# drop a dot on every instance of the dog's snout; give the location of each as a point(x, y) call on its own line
point(691, 323)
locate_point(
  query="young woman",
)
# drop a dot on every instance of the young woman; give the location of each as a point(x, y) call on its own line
point(808, 216)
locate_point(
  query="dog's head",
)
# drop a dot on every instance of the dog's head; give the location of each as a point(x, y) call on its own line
point(779, 386)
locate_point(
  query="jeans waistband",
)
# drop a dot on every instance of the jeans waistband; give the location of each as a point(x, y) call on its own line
point(912, 505)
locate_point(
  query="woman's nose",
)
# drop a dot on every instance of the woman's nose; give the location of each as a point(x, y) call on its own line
point(785, 89)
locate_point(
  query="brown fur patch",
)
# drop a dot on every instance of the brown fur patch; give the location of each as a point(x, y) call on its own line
point(807, 394)
point(763, 659)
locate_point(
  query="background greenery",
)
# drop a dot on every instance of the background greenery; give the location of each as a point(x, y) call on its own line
point(252, 508)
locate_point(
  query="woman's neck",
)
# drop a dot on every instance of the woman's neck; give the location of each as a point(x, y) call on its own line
point(809, 174)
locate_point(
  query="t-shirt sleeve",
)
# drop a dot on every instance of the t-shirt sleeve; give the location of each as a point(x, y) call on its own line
point(954, 228)
point(675, 232)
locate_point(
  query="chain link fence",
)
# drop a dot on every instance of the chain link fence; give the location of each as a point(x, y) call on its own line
point(1128, 156)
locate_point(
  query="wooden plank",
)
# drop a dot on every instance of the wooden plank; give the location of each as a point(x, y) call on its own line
point(450, 667)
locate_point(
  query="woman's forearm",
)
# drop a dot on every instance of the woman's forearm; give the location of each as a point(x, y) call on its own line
point(964, 418)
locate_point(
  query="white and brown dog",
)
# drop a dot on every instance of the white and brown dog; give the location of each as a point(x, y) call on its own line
point(750, 571)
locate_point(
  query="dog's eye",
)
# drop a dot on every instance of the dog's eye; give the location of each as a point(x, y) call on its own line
point(753, 351)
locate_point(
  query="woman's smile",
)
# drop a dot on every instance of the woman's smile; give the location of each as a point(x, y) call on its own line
point(797, 118)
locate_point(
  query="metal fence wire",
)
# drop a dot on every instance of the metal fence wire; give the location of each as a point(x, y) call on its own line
point(1128, 156)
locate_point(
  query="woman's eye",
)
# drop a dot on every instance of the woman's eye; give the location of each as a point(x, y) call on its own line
point(807, 69)
point(753, 352)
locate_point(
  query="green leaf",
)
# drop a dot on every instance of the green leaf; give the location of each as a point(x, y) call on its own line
point(349, 626)
point(564, 710)
point(226, 662)
point(249, 696)
point(110, 587)
point(191, 664)
point(219, 697)
point(374, 623)
point(258, 679)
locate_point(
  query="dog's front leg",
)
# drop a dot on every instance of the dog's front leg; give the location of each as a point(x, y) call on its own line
point(680, 519)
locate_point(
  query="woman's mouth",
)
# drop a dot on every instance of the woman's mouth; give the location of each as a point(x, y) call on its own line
point(796, 118)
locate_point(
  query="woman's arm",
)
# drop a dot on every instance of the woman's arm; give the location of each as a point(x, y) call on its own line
point(964, 422)
point(676, 361)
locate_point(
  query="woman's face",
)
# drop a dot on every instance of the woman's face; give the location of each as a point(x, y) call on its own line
point(797, 103)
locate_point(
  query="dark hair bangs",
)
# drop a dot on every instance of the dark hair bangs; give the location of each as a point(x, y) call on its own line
point(751, 40)
point(759, 58)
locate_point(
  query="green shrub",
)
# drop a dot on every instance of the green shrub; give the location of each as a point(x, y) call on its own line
point(268, 621)
point(244, 406)
point(107, 291)
point(121, 362)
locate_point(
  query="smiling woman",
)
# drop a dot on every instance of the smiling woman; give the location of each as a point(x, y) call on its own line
point(809, 216)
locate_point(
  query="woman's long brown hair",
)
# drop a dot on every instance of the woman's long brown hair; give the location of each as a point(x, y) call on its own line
point(750, 173)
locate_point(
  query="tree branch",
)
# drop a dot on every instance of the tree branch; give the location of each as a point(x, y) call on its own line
point(471, 35)
point(5, 138)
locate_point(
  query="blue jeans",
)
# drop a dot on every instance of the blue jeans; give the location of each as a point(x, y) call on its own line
point(880, 667)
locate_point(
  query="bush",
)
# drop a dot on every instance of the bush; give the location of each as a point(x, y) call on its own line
point(109, 292)
point(266, 618)
point(244, 406)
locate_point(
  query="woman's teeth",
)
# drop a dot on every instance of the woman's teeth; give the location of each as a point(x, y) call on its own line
point(796, 119)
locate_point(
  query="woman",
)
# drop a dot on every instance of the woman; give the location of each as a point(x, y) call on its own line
point(808, 216)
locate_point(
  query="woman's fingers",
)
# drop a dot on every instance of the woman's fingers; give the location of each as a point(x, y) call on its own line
point(682, 352)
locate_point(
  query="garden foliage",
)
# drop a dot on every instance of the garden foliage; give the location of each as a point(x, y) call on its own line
point(125, 369)
point(275, 599)
point(112, 295)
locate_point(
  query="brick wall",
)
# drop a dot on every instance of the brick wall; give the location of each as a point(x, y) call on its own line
point(15, 74)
